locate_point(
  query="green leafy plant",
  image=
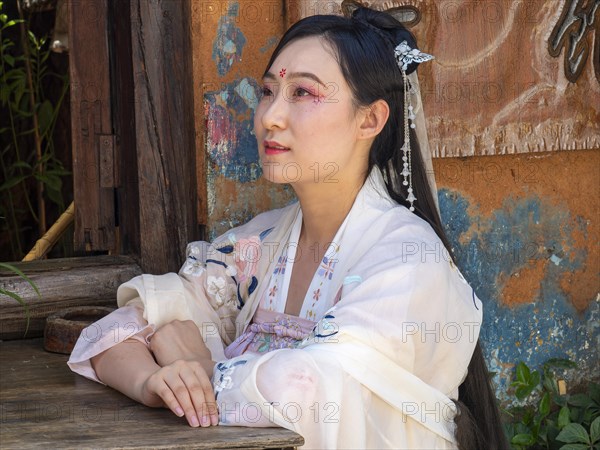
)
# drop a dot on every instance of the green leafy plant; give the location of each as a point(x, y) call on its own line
point(549, 420)
point(578, 438)
point(16, 296)
point(28, 161)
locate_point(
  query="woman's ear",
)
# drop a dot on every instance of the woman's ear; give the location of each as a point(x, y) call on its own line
point(374, 119)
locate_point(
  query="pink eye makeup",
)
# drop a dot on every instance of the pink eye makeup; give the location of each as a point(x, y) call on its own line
point(305, 91)
point(266, 91)
point(294, 91)
point(312, 83)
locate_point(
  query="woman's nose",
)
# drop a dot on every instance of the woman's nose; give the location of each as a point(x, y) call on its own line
point(274, 111)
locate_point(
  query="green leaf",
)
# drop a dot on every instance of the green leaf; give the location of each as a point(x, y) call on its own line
point(535, 429)
point(523, 392)
point(595, 430)
point(544, 405)
point(574, 433)
point(14, 295)
point(19, 300)
point(10, 60)
point(14, 269)
point(535, 378)
point(595, 392)
point(7, 43)
point(550, 383)
point(564, 417)
point(560, 363)
point(588, 416)
point(523, 372)
point(551, 433)
point(575, 447)
point(55, 196)
point(12, 182)
point(581, 400)
point(21, 164)
point(51, 181)
point(45, 114)
point(523, 439)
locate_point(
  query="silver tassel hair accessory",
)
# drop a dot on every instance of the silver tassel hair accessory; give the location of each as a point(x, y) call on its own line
point(406, 55)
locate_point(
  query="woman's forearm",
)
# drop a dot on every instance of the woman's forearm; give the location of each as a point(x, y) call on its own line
point(126, 367)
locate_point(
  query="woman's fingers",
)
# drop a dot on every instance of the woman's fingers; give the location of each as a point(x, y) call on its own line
point(157, 385)
point(210, 411)
point(186, 390)
point(175, 382)
point(200, 390)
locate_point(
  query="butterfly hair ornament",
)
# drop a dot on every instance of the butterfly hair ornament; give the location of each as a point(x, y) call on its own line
point(405, 55)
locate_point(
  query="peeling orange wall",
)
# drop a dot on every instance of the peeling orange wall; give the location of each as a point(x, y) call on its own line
point(526, 231)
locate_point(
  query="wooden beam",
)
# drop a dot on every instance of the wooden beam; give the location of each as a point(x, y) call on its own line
point(62, 283)
point(164, 123)
point(91, 124)
point(126, 169)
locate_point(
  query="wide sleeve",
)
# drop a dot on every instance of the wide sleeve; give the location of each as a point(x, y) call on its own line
point(210, 289)
point(378, 371)
point(122, 324)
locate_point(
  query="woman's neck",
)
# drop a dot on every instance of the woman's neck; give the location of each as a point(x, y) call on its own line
point(323, 211)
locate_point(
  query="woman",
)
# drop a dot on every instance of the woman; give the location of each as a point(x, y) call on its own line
point(342, 316)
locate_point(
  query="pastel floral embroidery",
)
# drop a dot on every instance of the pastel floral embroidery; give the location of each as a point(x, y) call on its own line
point(193, 250)
point(223, 374)
point(193, 267)
point(265, 233)
point(280, 266)
point(273, 291)
point(247, 255)
point(326, 327)
point(326, 268)
point(217, 287)
point(316, 294)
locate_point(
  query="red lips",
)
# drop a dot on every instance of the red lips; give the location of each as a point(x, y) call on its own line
point(274, 148)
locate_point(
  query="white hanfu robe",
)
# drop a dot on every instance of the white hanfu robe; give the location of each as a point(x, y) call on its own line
point(395, 327)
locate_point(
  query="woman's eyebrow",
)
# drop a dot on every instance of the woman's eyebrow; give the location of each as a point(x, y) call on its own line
point(312, 76)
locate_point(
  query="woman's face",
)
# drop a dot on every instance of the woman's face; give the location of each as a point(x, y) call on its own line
point(306, 125)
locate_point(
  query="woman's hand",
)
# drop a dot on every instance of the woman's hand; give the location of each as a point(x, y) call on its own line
point(178, 340)
point(185, 388)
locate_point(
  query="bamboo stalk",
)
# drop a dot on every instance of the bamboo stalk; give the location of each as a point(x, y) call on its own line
point(48, 240)
point(36, 131)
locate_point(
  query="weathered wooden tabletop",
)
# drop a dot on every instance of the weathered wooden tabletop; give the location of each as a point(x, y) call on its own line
point(45, 405)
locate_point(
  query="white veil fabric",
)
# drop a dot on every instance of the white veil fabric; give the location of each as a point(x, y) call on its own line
point(421, 132)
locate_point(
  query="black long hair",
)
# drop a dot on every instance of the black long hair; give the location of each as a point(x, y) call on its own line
point(364, 46)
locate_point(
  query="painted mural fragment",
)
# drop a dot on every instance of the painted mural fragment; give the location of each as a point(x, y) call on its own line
point(230, 143)
point(517, 259)
point(229, 42)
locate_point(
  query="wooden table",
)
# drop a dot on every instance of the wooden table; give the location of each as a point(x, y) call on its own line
point(45, 405)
